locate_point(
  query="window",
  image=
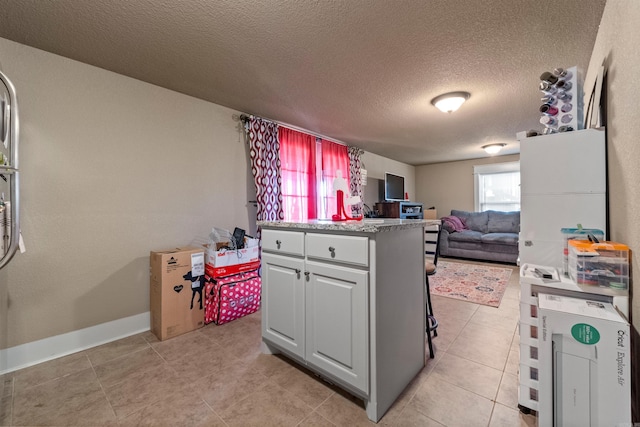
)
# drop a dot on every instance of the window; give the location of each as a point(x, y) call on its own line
point(308, 167)
point(497, 187)
point(334, 157)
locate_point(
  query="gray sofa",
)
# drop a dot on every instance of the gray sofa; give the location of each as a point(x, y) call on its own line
point(488, 235)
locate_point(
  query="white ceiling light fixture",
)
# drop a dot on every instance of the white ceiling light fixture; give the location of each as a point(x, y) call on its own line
point(450, 102)
point(493, 148)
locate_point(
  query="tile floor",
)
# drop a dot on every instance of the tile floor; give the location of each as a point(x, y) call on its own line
point(216, 376)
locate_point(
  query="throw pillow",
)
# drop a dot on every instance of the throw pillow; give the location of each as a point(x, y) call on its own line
point(454, 223)
point(448, 225)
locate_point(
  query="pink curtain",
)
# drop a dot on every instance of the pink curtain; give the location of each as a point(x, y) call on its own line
point(265, 166)
point(298, 168)
point(334, 157)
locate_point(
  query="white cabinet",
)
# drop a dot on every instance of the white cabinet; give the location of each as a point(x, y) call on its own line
point(283, 323)
point(348, 302)
point(352, 250)
point(316, 310)
point(336, 316)
point(283, 242)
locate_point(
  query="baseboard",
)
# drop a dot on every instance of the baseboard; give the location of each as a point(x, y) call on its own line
point(25, 355)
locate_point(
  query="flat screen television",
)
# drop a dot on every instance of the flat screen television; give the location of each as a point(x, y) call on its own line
point(393, 187)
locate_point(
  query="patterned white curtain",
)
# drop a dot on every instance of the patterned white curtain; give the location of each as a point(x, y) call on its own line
point(264, 150)
point(355, 178)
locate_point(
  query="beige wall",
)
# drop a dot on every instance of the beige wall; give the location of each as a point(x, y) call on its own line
point(376, 167)
point(618, 40)
point(111, 168)
point(450, 185)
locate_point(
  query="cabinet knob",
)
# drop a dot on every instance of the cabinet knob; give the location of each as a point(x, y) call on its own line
point(278, 243)
point(333, 251)
point(306, 274)
point(297, 270)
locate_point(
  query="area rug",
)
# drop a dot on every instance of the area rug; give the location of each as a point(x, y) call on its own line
point(481, 284)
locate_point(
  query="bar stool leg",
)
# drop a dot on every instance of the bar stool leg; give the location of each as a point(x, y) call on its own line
point(432, 323)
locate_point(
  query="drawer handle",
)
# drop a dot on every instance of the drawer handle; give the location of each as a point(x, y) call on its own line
point(306, 273)
point(333, 251)
point(297, 270)
point(278, 243)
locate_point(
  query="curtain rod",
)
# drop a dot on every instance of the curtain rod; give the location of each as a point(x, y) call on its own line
point(246, 117)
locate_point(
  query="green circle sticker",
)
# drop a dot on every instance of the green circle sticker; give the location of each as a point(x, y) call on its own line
point(585, 334)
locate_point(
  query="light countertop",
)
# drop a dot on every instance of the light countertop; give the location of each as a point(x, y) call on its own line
point(368, 225)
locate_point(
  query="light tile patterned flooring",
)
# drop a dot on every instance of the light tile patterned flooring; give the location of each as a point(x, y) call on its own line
point(216, 376)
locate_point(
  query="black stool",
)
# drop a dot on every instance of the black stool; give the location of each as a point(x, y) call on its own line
point(430, 269)
point(432, 322)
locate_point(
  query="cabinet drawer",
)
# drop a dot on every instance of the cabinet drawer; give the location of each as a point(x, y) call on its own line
point(331, 247)
point(283, 242)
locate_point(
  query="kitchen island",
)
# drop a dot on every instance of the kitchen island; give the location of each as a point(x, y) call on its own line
point(347, 300)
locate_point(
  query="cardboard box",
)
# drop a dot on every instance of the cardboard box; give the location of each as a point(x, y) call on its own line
point(225, 262)
point(176, 286)
point(584, 363)
point(430, 214)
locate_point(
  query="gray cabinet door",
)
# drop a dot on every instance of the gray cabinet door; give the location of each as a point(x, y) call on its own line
point(337, 313)
point(283, 301)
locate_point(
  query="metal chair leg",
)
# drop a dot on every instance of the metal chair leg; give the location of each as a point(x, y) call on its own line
point(432, 323)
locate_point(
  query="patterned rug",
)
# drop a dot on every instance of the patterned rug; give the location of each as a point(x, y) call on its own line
point(481, 284)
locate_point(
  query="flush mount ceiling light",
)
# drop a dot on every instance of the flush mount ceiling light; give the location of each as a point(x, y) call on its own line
point(450, 102)
point(493, 148)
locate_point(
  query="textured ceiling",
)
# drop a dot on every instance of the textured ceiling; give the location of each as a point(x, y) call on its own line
point(359, 71)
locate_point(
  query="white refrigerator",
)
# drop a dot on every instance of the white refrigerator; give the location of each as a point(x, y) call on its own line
point(563, 183)
point(563, 180)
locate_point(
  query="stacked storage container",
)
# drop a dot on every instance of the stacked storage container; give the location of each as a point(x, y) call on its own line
point(576, 234)
point(602, 265)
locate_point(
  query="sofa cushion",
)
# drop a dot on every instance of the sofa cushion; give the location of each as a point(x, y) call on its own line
point(466, 236)
point(510, 239)
point(476, 221)
point(467, 246)
point(503, 222)
point(499, 248)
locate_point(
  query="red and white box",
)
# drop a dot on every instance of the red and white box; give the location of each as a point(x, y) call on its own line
point(231, 297)
point(226, 262)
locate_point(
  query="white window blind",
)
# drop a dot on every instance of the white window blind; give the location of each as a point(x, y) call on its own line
point(497, 187)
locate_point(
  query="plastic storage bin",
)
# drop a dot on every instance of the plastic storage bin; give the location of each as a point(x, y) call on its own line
point(576, 234)
point(604, 264)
